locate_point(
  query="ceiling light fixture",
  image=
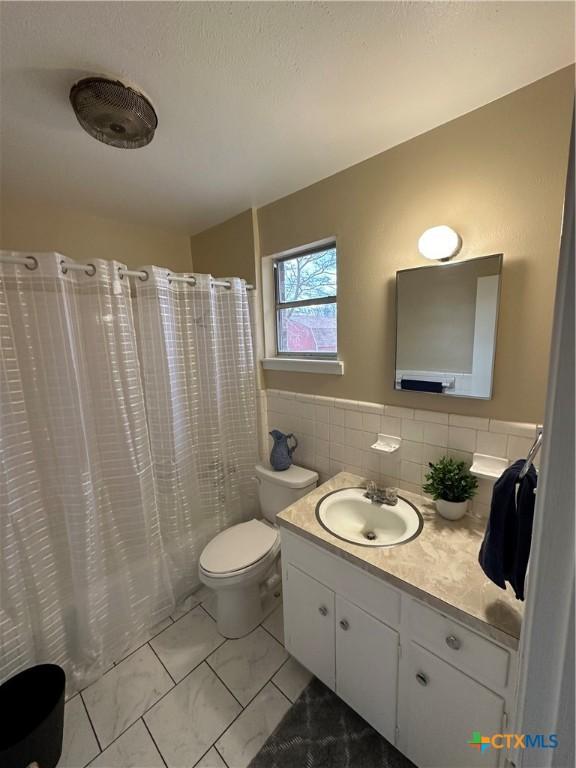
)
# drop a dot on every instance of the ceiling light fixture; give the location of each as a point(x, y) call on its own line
point(439, 243)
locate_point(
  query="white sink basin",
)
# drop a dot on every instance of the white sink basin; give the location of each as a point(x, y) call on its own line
point(349, 515)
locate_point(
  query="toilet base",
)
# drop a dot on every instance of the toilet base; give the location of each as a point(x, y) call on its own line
point(239, 610)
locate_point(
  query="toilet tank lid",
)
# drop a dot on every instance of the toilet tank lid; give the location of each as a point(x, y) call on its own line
point(293, 477)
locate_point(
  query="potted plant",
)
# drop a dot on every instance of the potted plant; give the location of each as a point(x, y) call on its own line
point(451, 485)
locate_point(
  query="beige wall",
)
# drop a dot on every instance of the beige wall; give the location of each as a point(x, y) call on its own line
point(496, 175)
point(26, 226)
point(226, 250)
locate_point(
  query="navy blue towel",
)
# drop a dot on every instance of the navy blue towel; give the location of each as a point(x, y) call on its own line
point(505, 550)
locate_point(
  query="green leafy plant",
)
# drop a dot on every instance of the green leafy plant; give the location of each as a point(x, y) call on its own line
point(450, 480)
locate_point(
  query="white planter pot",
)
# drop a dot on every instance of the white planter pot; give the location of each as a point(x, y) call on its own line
point(451, 510)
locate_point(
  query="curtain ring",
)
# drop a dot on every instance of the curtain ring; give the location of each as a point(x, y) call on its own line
point(63, 267)
point(34, 264)
point(91, 271)
point(120, 273)
point(228, 286)
point(145, 272)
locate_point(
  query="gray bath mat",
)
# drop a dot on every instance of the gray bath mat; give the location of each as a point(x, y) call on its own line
point(321, 731)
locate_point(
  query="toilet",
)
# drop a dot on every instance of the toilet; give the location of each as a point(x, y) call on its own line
point(241, 564)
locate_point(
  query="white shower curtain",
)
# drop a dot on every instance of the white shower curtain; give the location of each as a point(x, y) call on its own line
point(123, 448)
point(195, 346)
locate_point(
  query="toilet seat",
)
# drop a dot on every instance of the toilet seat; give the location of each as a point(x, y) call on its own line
point(239, 548)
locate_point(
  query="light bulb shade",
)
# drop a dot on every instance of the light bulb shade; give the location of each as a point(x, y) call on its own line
point(439, 243)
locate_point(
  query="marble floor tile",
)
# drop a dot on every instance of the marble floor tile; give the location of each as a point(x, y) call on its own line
point(184, 606)
point(209, 605)
point(187, 642)
point(211, 760)
point(247, 734)
point(275, 624)
point(292, 678)
point(246, 665)
point(144, 638)
point(79, 745)
point(203, 593)
point(189, 719)
point(133, 749)
point(120, 697)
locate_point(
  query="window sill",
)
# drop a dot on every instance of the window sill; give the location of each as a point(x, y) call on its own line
point(303, 365)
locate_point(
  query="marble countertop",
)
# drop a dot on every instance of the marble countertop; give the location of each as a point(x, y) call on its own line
point(439, 567)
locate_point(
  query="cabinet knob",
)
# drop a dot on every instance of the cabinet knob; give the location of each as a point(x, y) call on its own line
point(422, 678)
point(453, 642)
point(323, 611)
point(344, 624)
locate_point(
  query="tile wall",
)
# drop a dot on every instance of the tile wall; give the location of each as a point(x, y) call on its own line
point(335, 434)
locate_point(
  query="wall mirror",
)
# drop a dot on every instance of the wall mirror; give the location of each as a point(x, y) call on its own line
point(446, 321)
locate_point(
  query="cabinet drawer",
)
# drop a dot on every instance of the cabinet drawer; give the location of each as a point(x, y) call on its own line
point(368, 592)
point(463, 648)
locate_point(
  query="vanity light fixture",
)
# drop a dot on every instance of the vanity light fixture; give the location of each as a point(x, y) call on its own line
point(439, 243)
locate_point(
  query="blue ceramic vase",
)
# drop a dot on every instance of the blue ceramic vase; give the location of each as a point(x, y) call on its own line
point(281, 453)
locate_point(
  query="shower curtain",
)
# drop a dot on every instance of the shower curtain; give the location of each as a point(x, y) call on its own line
point(127, 440)
point(195, 346)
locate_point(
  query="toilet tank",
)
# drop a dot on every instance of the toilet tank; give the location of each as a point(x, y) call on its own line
point(277, 490)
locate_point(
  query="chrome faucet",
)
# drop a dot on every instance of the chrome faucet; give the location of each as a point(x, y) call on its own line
point(380, 495)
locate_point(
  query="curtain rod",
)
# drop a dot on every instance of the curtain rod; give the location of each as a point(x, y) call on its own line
point(31, 262)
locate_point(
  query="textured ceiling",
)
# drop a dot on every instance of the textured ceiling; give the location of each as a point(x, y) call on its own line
point(255, 100)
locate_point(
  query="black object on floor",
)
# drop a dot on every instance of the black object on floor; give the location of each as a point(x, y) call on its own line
point(321, 731)
point(32, 706)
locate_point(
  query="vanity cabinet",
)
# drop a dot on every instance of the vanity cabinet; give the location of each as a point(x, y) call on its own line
point(423, 680)
point(309, 617)
point(367, 666)
point(437, 703)
point(350, 651)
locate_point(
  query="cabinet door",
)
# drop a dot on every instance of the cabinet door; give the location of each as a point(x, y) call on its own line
point(367, 666)
point(439, 708)
point(309, 623)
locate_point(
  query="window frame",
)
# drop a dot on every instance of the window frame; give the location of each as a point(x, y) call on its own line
point(280, 305)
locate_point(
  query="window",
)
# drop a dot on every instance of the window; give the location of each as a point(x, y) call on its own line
point(305, 296)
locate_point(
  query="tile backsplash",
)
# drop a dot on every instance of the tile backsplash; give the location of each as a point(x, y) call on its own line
point(335, 434)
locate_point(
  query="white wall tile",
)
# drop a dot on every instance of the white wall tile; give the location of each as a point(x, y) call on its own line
point(353, 419)
point(322, 413)
point(518, 447)
point(436, 434)
point(323, 400)
point(411, 451)
point(412, 430)
point(337, 435)
point(471, 422)
point(513, 428)
point(338, 416)
point(401, 413)
point(392, 425)
point(433, 417)
point(410, 472)
point(371, 422)
point(337, 452)
point(464, 456)
point(307, 427)
point(349, 405)
point(390, 465)
point(322, 430)
point(372, 408)
point(462, 439)
point(355, 438)
point(352, 456)
point(432, 453)
point(321, 447)
point(491, 443)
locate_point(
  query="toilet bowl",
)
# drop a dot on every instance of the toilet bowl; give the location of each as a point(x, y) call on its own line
point(242, 563)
